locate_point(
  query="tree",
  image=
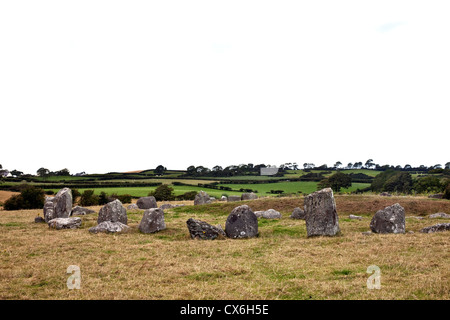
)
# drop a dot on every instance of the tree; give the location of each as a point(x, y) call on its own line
point(88, 198)
point(428, 184)
point(190, 170)
point(16, 173)
point(160, 169)
point(337, 164)
point(43, 172)
point(336, 181)
point(63, 172)
point(163, 193)
point(369, 164)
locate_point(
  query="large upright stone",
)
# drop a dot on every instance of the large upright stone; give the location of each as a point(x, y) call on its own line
point(202, 198)
point(389, 220)
point(49, 209)
point(320, 214)
point(113, 211)
point(249, 196)
point(62, 203)
point(152, 221)
point(241, 223)
point(147, 202)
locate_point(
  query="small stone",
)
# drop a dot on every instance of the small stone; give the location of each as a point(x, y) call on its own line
point(439, 215)
point(268, 214)
point(249, 196)
point(202, 230)
point(65, 223)
point(39, 219)
point(436, 228)
point(298, 213)
point(233, 198)
point(133, 206)
point(80, 211)
point(110, 227)
point(367, 233)
point(355, 217)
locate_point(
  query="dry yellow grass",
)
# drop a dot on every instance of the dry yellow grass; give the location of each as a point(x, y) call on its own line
point(282, 263)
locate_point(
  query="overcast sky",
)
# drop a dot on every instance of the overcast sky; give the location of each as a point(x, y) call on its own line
point(102, 86)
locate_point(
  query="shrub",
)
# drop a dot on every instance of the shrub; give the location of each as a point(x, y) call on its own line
point(124, 198)
point(103, 198)
point(75, 195)
point(88, 198)
point(30, 197)
point(163, 193)
point(190, 195)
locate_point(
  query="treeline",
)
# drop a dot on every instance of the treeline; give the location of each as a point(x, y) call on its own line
point(82, 185)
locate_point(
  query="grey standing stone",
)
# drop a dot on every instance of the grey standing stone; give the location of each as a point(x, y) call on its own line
point(80, 211)
point(249, 196)
point(298, 213)
point(268, 214)
point(62, 203)
point(110, 227)
point(65, 223)
point(241, 223)
point(233, 198)
point(113, 211)
point(147, 202)
point(167, 206)
point(152, 221)
point(389, 220)
point(202, 230)
point(49, 210)
point(321, 215)
point(436, 228)
point(202, 198)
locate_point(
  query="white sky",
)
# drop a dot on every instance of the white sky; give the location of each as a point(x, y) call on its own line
point(102, 86)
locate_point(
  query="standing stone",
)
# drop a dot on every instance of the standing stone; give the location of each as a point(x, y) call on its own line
point(152, 221)
point(249, 196)
point(223, 198)
point(202, 230)
point(298, 213)
point(113, 211)
point(147, 202)
point(436, 228)
point(241, 223)
point(110, 227)
point(64, 223)
point(389, 220)
point(202, 198)
point(62, 203)
point(49, 210)
point(268, 214)
point(320, 214)
point(233, 198)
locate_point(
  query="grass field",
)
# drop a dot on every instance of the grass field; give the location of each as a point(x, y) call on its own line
point(282, 263)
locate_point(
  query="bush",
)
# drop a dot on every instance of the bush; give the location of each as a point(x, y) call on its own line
point(30, 197)
point(88, 198)
point(103, 198)
point(163, 193)
point(75, 195)
point(190, 195)
point(124, 198)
